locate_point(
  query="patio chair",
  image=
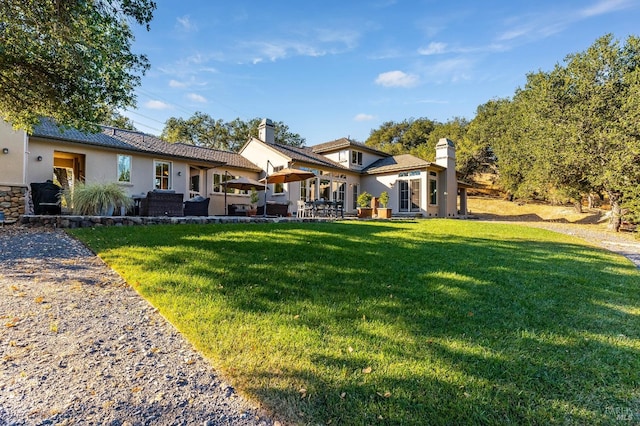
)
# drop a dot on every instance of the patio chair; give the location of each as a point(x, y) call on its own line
point(304, 210)
point(46, 198)
point(197, 206)
point(162, 203)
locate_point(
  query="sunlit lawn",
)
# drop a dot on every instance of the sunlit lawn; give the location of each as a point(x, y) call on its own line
point(428, 322)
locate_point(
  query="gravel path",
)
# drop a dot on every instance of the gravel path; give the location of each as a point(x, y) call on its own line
point(80, 347)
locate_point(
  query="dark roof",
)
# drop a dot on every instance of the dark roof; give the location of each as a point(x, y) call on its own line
point(128, 140)
point(306, 155)
point(398, 163)
point(345, 143)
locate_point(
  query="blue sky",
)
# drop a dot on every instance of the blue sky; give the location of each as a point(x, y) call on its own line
point(331, 69)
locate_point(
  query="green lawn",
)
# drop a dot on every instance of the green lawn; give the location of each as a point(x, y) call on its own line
point(425, 322)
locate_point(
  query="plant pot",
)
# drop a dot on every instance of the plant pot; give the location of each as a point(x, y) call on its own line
point(252, 212)
point(364, 212)
point(384, 213)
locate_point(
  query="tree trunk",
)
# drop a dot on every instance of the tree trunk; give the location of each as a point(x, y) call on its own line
point(616, 211)
point(578, 206)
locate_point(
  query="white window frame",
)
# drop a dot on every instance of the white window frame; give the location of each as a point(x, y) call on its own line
point(356, 157)
point(169, 177)
point(277, 188)
point(433, 192)
point(119, 172)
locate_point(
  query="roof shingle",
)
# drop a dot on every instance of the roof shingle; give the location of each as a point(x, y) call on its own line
point(140, 142)
point(398, 163)
point(345, 143)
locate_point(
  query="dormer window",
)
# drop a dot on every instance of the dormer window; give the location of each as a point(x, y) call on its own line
point(356, 158)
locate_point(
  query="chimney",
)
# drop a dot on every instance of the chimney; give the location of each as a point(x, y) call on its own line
point(446, 157)
point(266, 131)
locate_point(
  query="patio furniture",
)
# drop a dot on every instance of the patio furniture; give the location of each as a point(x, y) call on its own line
point(46, 198)
point(162, 203)
point(197, 206)
point(239, 209)
point(274, 209)
point(304, 209)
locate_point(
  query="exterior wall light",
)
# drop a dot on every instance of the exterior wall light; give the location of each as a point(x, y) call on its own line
point(5, 150)
point(39, 158)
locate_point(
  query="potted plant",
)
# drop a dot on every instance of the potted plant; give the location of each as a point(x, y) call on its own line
point(97, 199)
point(254, 200)
point(364, 205)
point(384, 212)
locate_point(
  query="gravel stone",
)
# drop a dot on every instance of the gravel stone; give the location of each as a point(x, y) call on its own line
point(79, 346)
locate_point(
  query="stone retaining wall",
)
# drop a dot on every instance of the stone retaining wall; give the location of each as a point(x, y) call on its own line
point(12, 201)
point(95, 221)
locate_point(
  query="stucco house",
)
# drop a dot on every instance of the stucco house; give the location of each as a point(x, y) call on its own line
point(140, 163)
point(345, 168)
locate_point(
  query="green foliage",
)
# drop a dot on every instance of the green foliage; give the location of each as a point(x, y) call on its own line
point(203, 130)
point(420, 136)
point(400, 138)
point(574, 130)
point(97, 198)
point(254, 197)
point(384, 199)
point(364, 199)
point(457, 322)
point(69, 60)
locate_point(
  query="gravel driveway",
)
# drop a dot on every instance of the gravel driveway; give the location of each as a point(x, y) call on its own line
point(79, 346)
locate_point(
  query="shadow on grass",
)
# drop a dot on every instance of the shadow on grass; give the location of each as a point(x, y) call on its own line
point(457, 327)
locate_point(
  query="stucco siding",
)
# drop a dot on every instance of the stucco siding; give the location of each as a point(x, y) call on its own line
point(13, 163)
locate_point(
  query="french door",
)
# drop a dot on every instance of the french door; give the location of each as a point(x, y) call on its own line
point(409, 195)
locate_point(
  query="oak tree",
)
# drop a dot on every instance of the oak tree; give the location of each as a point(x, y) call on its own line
point(69, 60)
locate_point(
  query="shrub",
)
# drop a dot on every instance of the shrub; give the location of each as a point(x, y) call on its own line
point(364, 199)
point(384, 199)
point(97, 198)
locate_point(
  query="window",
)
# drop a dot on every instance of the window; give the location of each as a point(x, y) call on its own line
point(355, 192)
point(219, 179)
point(278, 188)
point(124, 168)
point(343, 156)
point(304, 190)
point(433, 192)
point(162, 175)
point(356, 158)
point(194, 185)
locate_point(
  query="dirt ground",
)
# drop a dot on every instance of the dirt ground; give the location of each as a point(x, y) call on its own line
point(591, 225)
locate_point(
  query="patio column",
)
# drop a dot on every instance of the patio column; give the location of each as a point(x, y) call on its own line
point(463, 201)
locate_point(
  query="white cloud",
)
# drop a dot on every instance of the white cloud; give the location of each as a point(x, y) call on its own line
point(176, 83)
point(453, 70)
point(196, 98)
point(434, 48)
point(605, 6)
point(154, 104)
point(397, 79)
point(363, 117)
point(184, 23)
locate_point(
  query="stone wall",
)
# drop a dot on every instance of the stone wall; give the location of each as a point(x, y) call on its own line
point(12, 201)
point(97, 221)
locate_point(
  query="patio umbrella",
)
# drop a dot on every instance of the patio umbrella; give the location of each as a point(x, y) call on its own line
point(285, 176)
point(288, 175)
point(244, 183)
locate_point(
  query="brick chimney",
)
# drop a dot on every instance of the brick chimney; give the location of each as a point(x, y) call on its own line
point(266, 131)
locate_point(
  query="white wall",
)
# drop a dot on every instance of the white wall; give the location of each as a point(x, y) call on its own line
point(101, 166)
point(12, 164)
